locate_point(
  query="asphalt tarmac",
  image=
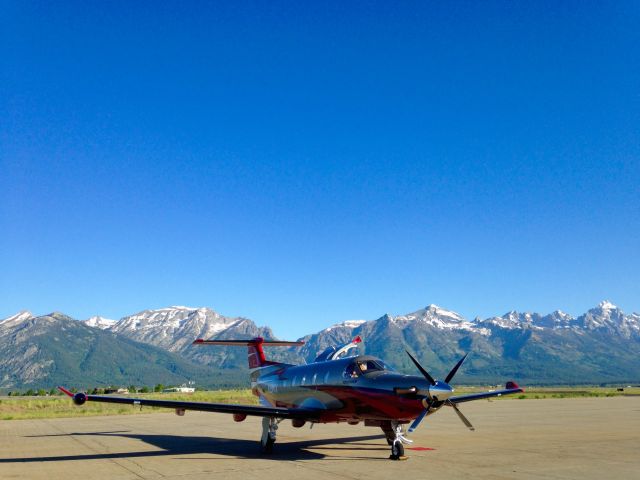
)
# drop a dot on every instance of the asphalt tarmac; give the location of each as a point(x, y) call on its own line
point(542, 439)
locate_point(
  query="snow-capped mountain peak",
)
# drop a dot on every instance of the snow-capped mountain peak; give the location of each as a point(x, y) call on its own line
point(100, 322)
point(556, 319)
point(17, 318)
point(435, 316)
point(435, 310)
point(607, 317)
point(509, 320)
point(346, 324)
point(607, 305)
point(431, 312)
point(174, 327)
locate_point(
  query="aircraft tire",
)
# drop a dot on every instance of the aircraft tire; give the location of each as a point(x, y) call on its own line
point(266, 446)
point(397, 450)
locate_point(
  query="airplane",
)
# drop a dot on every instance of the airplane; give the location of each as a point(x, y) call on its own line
point(335, 387)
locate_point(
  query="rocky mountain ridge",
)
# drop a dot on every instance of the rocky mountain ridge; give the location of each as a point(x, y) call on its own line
point(603, 344)
point(55, 349)
point(605, 316)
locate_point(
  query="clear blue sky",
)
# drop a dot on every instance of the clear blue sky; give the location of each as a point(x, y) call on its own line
point(305, 163)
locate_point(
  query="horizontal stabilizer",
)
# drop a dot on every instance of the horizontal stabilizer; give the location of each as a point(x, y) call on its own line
point(246, 343)
point(255, 353)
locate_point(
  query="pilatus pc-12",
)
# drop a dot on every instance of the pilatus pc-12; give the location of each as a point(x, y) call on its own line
point(335, 387)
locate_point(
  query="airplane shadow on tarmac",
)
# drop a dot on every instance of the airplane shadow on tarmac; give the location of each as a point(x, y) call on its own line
point(248, 449)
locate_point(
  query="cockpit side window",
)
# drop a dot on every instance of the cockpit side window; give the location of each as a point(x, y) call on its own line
point(351, 371)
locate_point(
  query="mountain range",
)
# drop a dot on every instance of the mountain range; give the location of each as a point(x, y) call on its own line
point(154, 346)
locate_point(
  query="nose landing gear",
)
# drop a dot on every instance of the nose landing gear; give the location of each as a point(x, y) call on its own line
point(397, 451)
point(397, 442)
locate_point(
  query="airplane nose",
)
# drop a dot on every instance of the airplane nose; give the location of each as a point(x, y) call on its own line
point(440, 391)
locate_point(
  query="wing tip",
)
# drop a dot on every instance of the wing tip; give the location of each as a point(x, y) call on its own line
point(65, 391)
point(511, 385)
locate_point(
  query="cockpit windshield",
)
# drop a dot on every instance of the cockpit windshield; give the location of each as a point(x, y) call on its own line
point(362, 367)
point(367, 366)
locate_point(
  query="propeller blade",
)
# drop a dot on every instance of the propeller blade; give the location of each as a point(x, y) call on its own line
point(417, 421)
point(464, 419)
point(422, 370)
point(455, 369)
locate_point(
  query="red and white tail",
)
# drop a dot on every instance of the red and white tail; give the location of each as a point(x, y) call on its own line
point(255, 353)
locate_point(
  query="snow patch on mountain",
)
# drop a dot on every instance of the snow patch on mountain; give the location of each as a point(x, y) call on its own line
point(555, 320)
point(100, 322)
point(174, 328)
point(607, 317)
point(437, 317)
point(607, 305)
point(513, 320)
point(17, 318)
point(346, 324)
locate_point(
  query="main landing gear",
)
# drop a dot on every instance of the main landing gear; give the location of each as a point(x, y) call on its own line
point(396, 438)
point(269, 427)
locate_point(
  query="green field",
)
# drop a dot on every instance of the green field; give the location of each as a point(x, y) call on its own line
point(17, 408)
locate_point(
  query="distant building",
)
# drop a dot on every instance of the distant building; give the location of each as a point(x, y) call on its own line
point(122, 391)
point(180, 389)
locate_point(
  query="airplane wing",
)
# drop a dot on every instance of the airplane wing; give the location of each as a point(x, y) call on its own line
point(510, 388)
point(253, 410)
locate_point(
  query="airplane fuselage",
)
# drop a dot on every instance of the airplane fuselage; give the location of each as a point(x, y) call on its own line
point(340, 391)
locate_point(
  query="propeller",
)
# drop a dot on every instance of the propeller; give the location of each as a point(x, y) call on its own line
point(464, 419)
point(438, 394)
point(419, 418)
point(422, 370)
point(455, 369)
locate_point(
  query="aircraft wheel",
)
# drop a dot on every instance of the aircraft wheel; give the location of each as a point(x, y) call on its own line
point(397, 451)
point(268, 438)
point(266, 446)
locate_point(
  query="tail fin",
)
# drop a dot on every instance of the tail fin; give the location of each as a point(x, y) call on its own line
point(255, 353)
